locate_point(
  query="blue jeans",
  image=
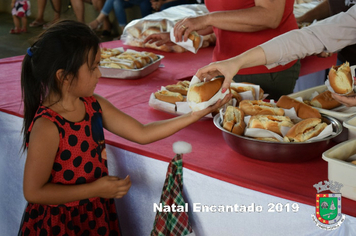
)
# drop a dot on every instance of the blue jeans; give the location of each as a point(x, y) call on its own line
point(120, 5)
point(174, 3)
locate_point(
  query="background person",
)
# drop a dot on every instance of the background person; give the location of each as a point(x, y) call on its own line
point(21, 9)
point(239, 26)
point(326, 9)
point(290, 46)
point(41, 6)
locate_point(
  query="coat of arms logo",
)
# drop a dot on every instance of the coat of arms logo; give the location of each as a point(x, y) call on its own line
point(328, 214)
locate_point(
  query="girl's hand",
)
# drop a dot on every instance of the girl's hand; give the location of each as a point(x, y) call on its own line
point(348, 101)
point(159, 39)
point(112, 186)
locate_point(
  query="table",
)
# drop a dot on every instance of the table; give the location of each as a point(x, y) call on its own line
point(213, 173)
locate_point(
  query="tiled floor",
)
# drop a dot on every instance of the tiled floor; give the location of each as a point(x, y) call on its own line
point(16, 44)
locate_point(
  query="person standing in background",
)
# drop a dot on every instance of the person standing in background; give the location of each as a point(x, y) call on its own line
point(119, 7)
point(41, 5)
point(326, 9)
point(240, 26)
point(78, 8)
point(21, 9)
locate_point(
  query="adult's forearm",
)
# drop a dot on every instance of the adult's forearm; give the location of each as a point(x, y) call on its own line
point(331, 35)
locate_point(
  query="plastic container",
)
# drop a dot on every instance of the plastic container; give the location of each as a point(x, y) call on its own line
point(350, 124)
point(340, 168)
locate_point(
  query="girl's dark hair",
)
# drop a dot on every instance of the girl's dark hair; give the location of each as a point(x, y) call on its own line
point(65, 45)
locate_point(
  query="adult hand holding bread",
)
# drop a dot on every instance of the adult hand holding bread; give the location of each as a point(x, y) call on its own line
point(229, 68)
point(202, 94)
point(340, 79)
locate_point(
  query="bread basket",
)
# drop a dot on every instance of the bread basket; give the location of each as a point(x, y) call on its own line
point(277, 151)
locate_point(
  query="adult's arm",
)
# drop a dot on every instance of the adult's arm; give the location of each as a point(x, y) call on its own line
point(330, 35)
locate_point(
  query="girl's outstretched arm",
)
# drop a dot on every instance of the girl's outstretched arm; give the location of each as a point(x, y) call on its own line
point(43, 146)
point(129, 128)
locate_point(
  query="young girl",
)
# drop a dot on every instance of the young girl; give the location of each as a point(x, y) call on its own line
point(20, 10)
point(66, 180)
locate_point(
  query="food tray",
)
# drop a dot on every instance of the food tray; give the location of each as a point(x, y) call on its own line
point(340, 169)
point(116, 73)
point(341, 113)
point(279, 151)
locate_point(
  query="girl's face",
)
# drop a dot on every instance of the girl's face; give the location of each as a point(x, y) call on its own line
point(88, 77)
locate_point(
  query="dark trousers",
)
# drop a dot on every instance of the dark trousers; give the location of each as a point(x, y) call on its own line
point(275, 84)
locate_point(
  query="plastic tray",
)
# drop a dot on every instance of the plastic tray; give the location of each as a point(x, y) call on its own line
point(341, 113)
point(109, 72)
point(340, 169)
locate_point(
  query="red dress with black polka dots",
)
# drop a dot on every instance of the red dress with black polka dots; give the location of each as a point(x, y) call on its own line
point(81, 158)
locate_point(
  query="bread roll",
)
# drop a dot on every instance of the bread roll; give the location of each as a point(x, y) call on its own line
point(237, 96)
point(340, 79)
point(234, 120)
point(269, 122)
point(134, 31)
point(258, 107)
point(203, 91)
point(303, 110)
point(325, 101)
point(305, 129)
point(195, 37)
point(177, 88)
point(167, 96)
point(261, 92)
point(241, 89)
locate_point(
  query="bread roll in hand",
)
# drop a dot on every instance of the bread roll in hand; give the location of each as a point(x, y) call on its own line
point(304, 130)
point(204, 91)
point(234, 120)
point(325, 101)
point(340, 79)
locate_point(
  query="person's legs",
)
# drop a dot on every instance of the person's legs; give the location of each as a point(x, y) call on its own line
point(78, 8)
point(24, 24)
point(145, 7)
point(57, 9)
point(173, 3)
point(39, 21)
point(120, 13)
point(16, 23)
point(98, 5)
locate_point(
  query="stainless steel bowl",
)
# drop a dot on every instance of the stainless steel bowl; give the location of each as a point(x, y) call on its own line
point(276, 151)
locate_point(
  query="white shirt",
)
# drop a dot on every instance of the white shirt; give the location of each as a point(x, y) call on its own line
point(330, 35)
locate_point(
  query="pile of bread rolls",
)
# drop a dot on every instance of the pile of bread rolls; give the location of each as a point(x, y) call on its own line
point(137, 33)
point(198, 93)
point(270, 116)
point(174, 92)
point(114, 58)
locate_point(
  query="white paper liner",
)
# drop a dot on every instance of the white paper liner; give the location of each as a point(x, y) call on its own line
point(188, 44)
point(248, 94)
point(179, 108)
point(200, 106)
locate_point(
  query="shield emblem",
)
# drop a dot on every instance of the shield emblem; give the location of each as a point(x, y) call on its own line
point(328, 208)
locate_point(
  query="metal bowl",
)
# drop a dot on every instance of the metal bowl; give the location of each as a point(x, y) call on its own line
point(279, 151)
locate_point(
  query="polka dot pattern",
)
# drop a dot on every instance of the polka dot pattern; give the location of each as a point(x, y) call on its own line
point(78, 161)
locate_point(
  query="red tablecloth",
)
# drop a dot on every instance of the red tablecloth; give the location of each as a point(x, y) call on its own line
point(211, 155)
